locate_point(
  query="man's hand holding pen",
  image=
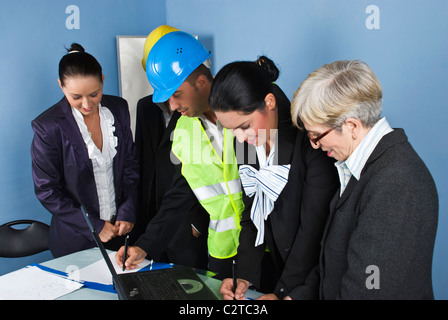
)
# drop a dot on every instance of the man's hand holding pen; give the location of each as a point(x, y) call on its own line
point(135, 255)
point(229, 293)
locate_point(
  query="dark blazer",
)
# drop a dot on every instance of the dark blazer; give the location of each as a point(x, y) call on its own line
point(387, 219)
point(153, 145)
point(294, 229)
point(63, 174)
point(175, 243)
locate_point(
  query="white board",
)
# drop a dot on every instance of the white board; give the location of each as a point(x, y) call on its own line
point(133, 83)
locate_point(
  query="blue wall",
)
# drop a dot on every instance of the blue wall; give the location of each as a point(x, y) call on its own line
point(409, 54)
point(33, 35)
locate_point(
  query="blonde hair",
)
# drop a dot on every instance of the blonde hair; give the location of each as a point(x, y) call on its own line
point(337, 91)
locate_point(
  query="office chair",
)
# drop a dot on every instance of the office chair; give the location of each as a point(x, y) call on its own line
point(20, 243)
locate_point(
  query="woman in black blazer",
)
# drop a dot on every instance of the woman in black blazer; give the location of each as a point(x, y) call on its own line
point(379, 239)
point(83, 155)
point(288, 184)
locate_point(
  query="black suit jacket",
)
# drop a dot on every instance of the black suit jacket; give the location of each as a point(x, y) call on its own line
point(153, 144)
point(294, 229)
point(166, 230)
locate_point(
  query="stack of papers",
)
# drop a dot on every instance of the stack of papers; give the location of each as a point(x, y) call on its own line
point(36, 282)
point(32, 283)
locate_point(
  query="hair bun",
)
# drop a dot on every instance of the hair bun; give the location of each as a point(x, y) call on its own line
point(269, 67)
point(76, 47)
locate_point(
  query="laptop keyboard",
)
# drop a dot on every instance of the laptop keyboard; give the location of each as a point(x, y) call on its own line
point(162, 287)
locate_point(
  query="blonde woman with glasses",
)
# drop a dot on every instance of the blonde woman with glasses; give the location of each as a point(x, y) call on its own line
point(379, 238)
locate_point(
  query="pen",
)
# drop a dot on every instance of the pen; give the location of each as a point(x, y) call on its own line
point(234, 277)
point(125, 256)
point(282, 294)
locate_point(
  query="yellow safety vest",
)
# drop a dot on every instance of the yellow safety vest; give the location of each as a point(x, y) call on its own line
point(214, 181)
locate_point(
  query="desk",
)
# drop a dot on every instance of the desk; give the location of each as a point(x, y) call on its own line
point(80, 260)
point(84, 258)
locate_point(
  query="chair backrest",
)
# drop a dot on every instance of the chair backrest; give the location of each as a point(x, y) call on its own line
point(23, 242)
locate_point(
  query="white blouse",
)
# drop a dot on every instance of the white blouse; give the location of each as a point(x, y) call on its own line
point(356, 161)
point(102, 161)
point(261, 155)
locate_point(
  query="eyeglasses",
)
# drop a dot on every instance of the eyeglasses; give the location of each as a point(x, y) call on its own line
point(315, 140)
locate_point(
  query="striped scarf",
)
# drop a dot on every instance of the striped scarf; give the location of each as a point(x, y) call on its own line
point(266, 184)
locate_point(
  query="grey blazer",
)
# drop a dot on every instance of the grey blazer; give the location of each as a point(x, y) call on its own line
point(379, 239)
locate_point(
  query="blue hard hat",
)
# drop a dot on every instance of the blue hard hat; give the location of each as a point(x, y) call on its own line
point(171, 60)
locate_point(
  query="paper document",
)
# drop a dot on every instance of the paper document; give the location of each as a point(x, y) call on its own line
point(32, 283)
point(99, 272)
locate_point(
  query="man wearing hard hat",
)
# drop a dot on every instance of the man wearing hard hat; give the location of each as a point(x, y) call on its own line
point(178, 69)
point(154, 125)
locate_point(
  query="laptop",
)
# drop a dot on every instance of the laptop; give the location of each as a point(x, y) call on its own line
point(175, 283)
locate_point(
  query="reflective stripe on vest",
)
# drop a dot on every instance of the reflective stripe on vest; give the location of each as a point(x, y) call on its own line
point(206, 192)
point(222, 225)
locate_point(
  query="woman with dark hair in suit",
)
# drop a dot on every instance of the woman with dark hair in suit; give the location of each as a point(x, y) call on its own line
point(83, 155)
point(288, 184)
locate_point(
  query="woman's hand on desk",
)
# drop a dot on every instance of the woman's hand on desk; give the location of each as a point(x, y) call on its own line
point(227, 289)
point(135, 256)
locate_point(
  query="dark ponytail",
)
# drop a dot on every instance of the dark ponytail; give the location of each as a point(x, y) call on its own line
point(79, 63)
point(242, 86)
